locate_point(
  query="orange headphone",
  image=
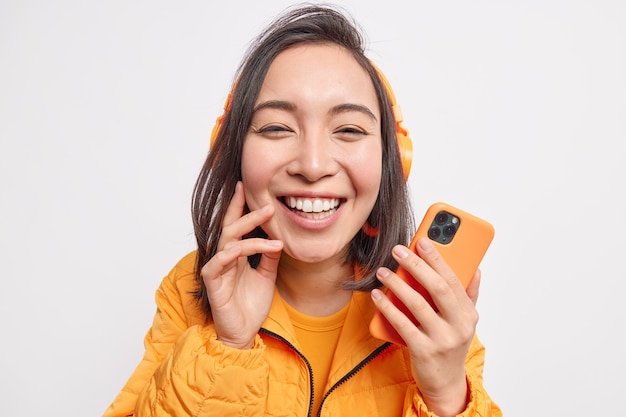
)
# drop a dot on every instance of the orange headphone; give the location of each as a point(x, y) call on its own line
point(405, 145)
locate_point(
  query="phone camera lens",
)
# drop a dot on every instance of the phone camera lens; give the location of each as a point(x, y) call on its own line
point(441, 218)
point(449, 231)
point(434, 233)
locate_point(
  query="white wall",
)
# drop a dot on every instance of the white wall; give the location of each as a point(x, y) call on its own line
point(517, 111)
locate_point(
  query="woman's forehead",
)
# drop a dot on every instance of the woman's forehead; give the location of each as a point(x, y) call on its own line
point(318, 72)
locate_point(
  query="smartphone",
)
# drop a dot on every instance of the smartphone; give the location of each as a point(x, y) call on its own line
point(462, 240)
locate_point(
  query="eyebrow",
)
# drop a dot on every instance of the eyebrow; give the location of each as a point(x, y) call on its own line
point(338, 109)
point(348, 107)
point(275, 104)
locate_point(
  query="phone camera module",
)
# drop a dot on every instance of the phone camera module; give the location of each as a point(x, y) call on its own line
point(444, 227)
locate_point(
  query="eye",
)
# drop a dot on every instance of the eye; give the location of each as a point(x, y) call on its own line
point(272, 130)
point(350, 132)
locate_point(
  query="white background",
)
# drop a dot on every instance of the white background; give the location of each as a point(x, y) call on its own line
point(517, 110)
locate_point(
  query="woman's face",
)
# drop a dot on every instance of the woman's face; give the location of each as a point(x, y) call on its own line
point(314, 151)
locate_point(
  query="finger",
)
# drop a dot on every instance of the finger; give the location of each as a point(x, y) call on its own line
point(473, 287)
point(422, 276)
point(413, 303)
point(452, 300)
point(427, 251)
point(236, 207)
point(268, 265)
point(406, 328)
point(443, 288)
point(245, 224)
point(222, 261)
point(253, 246)
point(226, 259)
point(248, 222)
point(224, 270)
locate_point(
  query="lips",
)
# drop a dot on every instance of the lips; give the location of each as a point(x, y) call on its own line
point(313, 208)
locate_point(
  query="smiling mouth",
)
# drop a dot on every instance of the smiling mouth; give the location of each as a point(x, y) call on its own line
point(312, 208)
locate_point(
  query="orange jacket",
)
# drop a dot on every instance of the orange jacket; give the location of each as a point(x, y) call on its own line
point(185, 371)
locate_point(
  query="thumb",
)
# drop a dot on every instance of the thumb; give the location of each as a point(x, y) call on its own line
point(268, 265)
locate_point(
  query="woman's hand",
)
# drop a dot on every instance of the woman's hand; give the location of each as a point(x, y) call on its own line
point(241, 296)
point(439, 344)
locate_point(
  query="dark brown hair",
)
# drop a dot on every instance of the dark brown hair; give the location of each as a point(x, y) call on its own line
point(215, 186)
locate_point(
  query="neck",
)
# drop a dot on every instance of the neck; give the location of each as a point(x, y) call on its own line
point(313, 289)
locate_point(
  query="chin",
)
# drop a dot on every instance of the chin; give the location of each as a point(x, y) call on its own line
point(312, 255)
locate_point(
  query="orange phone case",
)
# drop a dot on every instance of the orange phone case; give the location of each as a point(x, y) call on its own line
point(463, 253)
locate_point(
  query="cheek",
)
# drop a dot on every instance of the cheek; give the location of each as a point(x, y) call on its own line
point(366, 168)
point(251, 170)
point(251, 178)
point(255, 175)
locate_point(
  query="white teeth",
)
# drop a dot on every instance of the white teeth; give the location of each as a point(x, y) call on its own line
point(317, 205)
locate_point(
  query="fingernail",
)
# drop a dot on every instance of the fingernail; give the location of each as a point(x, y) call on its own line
point(264, 209)
point(425, 245)
point(401, 252)
point(382, 272)
point(377, 294)
point(274, 243)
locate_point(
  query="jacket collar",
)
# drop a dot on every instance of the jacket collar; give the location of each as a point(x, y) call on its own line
point(355, 342)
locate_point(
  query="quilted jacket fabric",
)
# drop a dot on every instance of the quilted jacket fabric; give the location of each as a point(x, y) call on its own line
point(185, 371)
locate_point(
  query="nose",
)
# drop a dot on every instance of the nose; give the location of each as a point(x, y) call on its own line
point(315, 156)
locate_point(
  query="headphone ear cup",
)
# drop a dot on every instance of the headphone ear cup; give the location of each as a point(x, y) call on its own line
point(405, 146)
point(220, 119)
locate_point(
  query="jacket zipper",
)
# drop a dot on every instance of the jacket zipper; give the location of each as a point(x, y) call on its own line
point(346, 377)
point(354, 370)
point(306, 361)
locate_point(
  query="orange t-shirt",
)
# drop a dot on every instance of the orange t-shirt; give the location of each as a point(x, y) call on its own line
point(318, 338)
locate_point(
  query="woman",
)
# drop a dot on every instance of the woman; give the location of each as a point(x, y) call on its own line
point(298, 212)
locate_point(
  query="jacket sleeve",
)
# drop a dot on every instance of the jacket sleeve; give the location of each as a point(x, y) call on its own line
point(168, 324)
point(184, 367)
point(202, 376)
point(480, 404)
